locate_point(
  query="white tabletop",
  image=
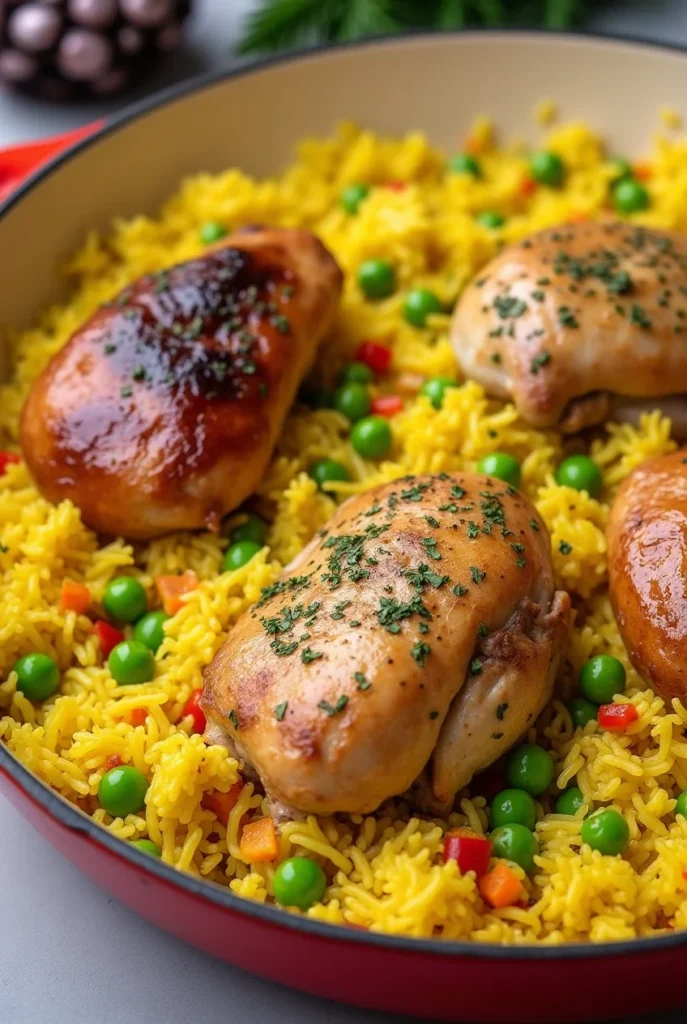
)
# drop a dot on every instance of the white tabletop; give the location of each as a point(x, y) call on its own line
point(69, 954)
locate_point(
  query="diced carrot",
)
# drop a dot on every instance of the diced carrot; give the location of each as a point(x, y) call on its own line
point(473, 145)
point(579, 218)
point(192, 707)
point(259, 841)
point(527, 187)
point(501, 887)
point(221, 804)
point(172, 588)
point(684, 874)
point(8, 459)
point(138, 716)
point(397, 186)
point(75, 597)
point(617, 717)
point(113, 761)
point(108, 636)
point(386, 405)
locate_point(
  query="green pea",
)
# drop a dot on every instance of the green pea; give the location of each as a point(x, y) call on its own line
point(252, 528)
point(465, 163)
point(123, 791)
point(147, 846)
point(352, 401)
point(435, 389)
point(607, 831)
point(601, 678)
point(212, 231)
point(419, 304)
point(124, 599)
point(356, 373)
point(581, 473)
point(377, 279)
point(622, 168)
point(239, 554)
point(150, 630)
point(513, 807)
point(299, 882)
point(546, 167)
point(352, 196)
point(570, 801)
point(515, 843)
point(681, 805)
point(491, 219)
point(582, 711)
point(502, 466)
point(38, 676)
point(530, 768)
point(371, 437)
point(131, 663)
point(629, 196)
point(326, 471)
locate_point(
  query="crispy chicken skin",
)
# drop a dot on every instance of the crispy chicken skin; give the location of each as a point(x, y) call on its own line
point(162, 411)
point(581, 323)
point(647, 558)
point(417, 635)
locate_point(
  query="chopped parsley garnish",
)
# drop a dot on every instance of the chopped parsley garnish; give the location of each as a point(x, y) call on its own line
point(620, 283)
point(420, 652)
point(434, 523)
point(339, 609)
point(281, 649)
point(334, 709)
point(430, 545)
point(538, 295)
point(495, 357)
point(566, 317)
point(509, 306)
point(541, 359)
point(363, 683)
point(391, 612)
point(477, 574)
point(415, 492)
point(638, 316)
point(457, 491)
point(423, 627)
point(423, 575)
point(234, 718)
point(482, 630)
point(433, 715)
point(518, 547)
point(534, 525)
point(459, 590)
point(126, 392)
point(308, 655)
point(280, 710)
point(500, 711)
point(476, 667)
point(472, 530)
point(564, 547)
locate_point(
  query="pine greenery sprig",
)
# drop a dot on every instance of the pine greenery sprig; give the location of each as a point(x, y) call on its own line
point(280, 24)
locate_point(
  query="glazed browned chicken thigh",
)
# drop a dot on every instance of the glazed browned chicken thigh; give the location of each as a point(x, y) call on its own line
point(162, 411)
point(581, 323)
point(409, 645)
point(647, 561)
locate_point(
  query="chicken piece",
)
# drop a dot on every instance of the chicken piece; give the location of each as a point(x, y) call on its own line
point(162, 411)
point(581, 323)
point(647, 564)
point(419, 630)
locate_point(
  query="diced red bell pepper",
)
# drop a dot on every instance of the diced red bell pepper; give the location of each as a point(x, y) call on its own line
point(386, 405)
point(192, 707)
point(8, 459)
point(397, 186)
point(375, 355)
point(617, 717)
point(527, 186)
point(113, 761)
point(108, 637)
point(471, 852)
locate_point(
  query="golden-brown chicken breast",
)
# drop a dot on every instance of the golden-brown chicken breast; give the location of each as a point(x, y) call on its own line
point(647, 561)
point(162, 411)
point(581, 323)
point(420, 629)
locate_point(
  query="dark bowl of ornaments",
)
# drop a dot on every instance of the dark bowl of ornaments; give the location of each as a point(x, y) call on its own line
point(65, 50)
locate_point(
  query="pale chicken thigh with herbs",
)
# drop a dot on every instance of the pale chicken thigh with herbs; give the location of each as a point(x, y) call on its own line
point(580, 324)
point(409, 645)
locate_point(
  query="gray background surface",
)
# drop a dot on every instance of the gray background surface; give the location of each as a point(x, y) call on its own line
point(68, 953)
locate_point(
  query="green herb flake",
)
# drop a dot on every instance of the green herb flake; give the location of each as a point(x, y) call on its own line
point(308, 655)
point(534, 525)
point(482, 630)
point(541, 359)
point(564, 547)
point(362, 681)
point(234, 719)
point(459, 590)
point(280, 710)
point(423, 575)
point(566, 317)
point(430, 545)
point(476, 667)
point(478, 575)
point(457, 491)
point(638, 316)
point(509, 306)
point(472, 530)
point(420, 652)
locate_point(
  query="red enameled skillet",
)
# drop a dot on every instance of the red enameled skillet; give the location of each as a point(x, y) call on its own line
point(252, 118)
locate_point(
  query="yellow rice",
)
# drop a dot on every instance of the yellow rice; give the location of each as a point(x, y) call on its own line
point(385, 871)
